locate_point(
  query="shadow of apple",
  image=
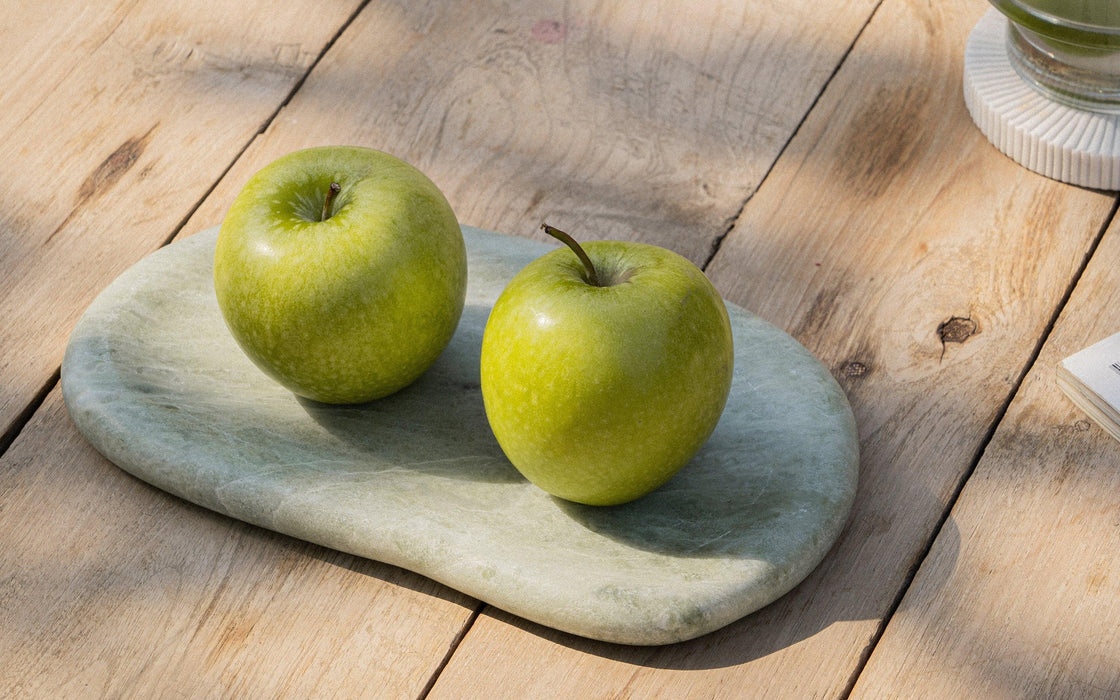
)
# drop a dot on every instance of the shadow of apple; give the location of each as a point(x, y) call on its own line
point(437, 424)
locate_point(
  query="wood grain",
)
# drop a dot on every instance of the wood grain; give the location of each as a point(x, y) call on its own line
point(917, 262)
point(921, 266)
point(115, 119)
point(634, 120)
point(398, 80)
point(481, 120)
point(111, 588)
point(1020, 594)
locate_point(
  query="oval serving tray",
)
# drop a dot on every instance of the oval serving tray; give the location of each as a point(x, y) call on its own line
point(155, 382)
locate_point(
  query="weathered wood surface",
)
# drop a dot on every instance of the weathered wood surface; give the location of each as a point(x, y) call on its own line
point(1020, 594)
point(920, 265)
point(116, 118)
point(111, 588)
point(635, 120)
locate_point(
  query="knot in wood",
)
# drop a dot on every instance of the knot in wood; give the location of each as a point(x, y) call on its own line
point(956, 330)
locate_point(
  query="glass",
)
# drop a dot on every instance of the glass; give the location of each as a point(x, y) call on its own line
point(1068, 49)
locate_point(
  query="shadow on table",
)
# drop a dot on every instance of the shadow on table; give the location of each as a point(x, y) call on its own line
point(439, 421)
point(811, 608)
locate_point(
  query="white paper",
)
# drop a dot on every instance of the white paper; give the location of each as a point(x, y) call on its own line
point(1091, 378)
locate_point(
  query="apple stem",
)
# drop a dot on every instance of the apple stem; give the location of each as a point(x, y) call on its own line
point(329, 200)
point(592, 276)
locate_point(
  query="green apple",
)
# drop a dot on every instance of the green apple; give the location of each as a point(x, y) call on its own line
point(341, 272)
point(604, 371)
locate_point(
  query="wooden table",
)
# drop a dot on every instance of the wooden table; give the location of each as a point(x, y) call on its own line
point(815, 158)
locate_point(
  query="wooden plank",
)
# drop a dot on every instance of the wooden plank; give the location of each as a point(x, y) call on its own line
point(111, 588)
point(662, 161)
point(398, 80)
point(107, 586)
point(115, 120)
point(1020, 594)
point(634, 120)
point(921, 266)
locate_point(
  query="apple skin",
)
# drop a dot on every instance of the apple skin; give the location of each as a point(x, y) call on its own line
point(351, 308)
point(599, 395)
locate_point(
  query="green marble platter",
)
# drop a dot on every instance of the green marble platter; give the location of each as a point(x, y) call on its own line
point(154, 381)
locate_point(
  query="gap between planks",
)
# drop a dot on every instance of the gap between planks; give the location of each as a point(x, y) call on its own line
point(734, 220)
point(951, 503)
point(20, 422)
point(715, 247)
point(17, 426)
point(9, 436)
point(451, 649)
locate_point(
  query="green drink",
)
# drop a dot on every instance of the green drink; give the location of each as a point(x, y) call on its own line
point(1087, 23)
point(1068, 49)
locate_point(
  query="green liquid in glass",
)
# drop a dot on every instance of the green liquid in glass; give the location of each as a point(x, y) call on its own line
point(1068, 49)
point(1091, 24)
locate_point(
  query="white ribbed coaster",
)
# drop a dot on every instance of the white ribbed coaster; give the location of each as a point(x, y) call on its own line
point(1064, 143)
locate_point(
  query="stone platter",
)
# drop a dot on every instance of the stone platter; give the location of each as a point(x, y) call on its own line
point(154, 381)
